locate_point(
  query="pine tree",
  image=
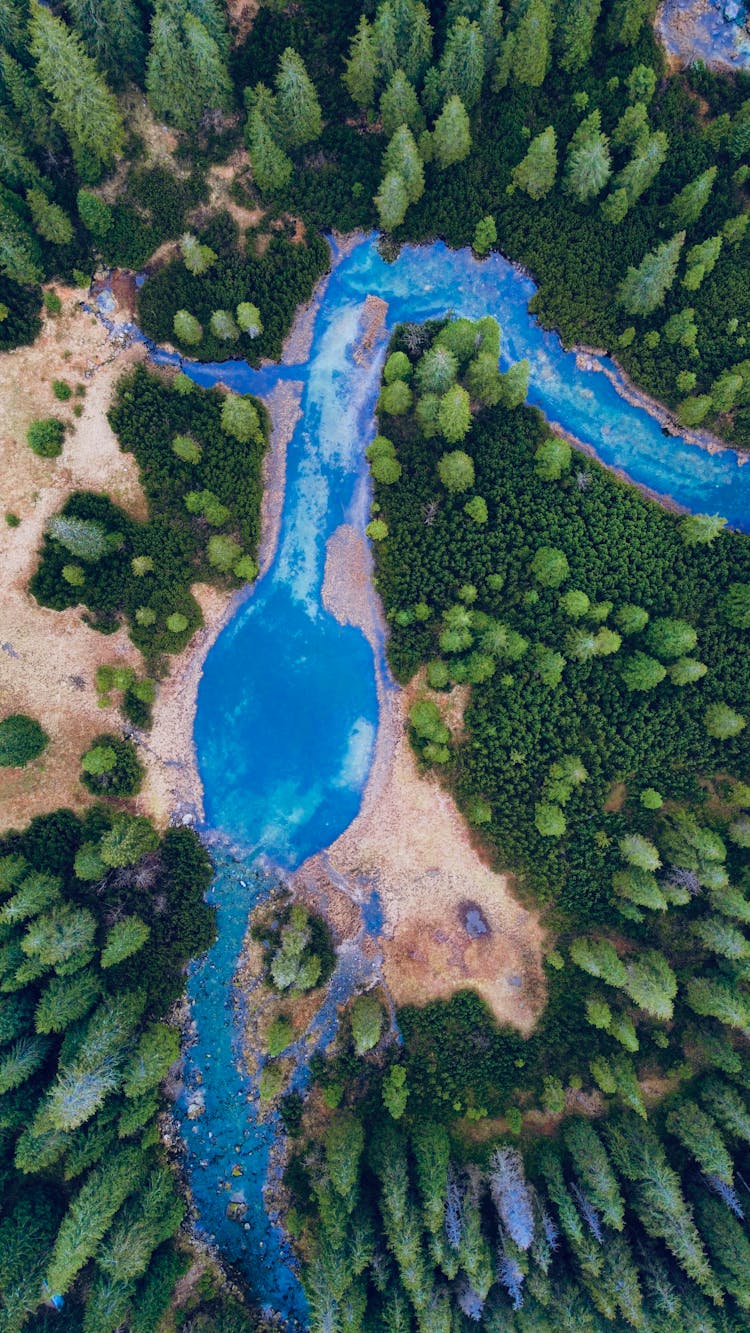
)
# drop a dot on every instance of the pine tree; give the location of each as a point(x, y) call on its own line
point(638, 1155)
point(644, 288)
point(129, 838)
point(599, 959)
point(271, 166)
point(362, 65)
point(689, 202)
point(27, 99)
point(20, 258)
point(700, 1135)
point(239, 417)
point(112, 33)
point(588, 165)
point(50, 221)
point(124, 939)
point(224, 326)
point(722, 722)
point(90, 1214)
point(367, 1023)
point(198, 258)
point(33, 895)
point(463, 63)
point(536, 173)
point(640, 172)
point(399, 105)
point(82, 103)
point(531, 43)
point(451, 139)
point(60, 935)
point(432, 1154)
point(186, 73)
point(728, 1246)
point(514, 383)
point(392, 201)
point(575, 32)
point(626, 20)
point(454, 416)
point(19, 1062)
point(297, 106)
point(65, 1000)
point(725, 1103)
point(187, 330)
point(402, 159)
point(714, 997)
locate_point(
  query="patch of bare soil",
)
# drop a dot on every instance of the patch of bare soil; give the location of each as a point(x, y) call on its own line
point(219, 179)
point(48, 659)
point(241, 17)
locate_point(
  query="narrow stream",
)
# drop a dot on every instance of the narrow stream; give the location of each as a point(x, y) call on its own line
point(287, 707)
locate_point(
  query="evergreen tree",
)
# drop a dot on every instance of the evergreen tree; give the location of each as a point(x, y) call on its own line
point(651, 984)
point(297, 106)
point(639, 1157)
point(50, 221)
point(402, 159)
point(362, 66)
point(593, 1168)
point(536, 173)
point(186, 328)
point(514, 383)
point(185, 73)
point(462, 64)
point(399, 105)
point(224, 326)
point(454, 416)
point(198, 258)
point(90, 1214)
point(157, 1050)
point(722, 722)
point(20, 258)
point(644, 288)
point(112, 33)
point(239, 417)
point(531, 43)
point(124, 939)
point(65, 1000)
point(392, 201)
point(626, 20)
point(725, 1103)
point(588, 165)
point(26, 98)
point(367, 1023)
point(599, 959)
point(575, 32)
point(689, 202)
point(735, 605)
point(271, 166)
point(432, 1155)
point(451, 139)
point(714, 997)
point(700, 1135)
point(82, 103)
point(640, 172)
point(728, 1246)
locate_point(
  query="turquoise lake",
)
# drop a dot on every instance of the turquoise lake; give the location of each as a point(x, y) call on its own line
point(287, 707)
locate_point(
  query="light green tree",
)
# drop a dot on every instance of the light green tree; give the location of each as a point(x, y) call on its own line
point(361, 69)
point(297, 106)
point(271, 166)
point(689, 202)
point(451, 139)
point(644, 288)
point(399, 105)
point(456, 471)
point(550, 566)
point(82, 103)
point(536, 173)
point(701, 529)
point(454, 416)
point(239, 418)
point(392, 201)
point(723, 722)
point(575, 29)
point(402, 158)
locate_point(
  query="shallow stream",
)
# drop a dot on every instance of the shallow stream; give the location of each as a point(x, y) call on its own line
point(287, 707)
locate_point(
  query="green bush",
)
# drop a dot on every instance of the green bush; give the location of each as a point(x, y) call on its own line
point(111, 767)
point(21, 740)
point(45, 437)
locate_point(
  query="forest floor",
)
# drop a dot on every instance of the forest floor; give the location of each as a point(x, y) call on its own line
point(449, 920)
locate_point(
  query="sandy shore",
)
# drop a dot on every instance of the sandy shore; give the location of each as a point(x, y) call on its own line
point(411, 845)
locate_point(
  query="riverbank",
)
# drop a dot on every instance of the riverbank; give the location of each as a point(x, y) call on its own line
point(449, 919)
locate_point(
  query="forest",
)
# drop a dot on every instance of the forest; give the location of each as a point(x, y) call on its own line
point(558, 137)
point(605, 642)
point(200, 455)
point(595, 1174)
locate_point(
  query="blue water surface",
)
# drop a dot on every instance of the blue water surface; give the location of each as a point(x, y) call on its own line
point(287, 707)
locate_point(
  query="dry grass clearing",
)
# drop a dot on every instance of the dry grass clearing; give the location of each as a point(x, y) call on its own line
point(48, 659)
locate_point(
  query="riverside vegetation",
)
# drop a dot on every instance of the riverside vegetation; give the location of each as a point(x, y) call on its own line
point(605, 642)
point(605, 756)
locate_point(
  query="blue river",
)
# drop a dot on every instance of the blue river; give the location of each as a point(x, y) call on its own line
point(287, 707)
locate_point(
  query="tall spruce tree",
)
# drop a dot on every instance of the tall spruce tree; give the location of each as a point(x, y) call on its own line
point(297, 106)
point(112, 33)
point(451, 139)
point(186, 74)
point(463, 63)
point(536, 172)
point(82, 103)
point(361, 72)
point(644, 288)
point(576, 25)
